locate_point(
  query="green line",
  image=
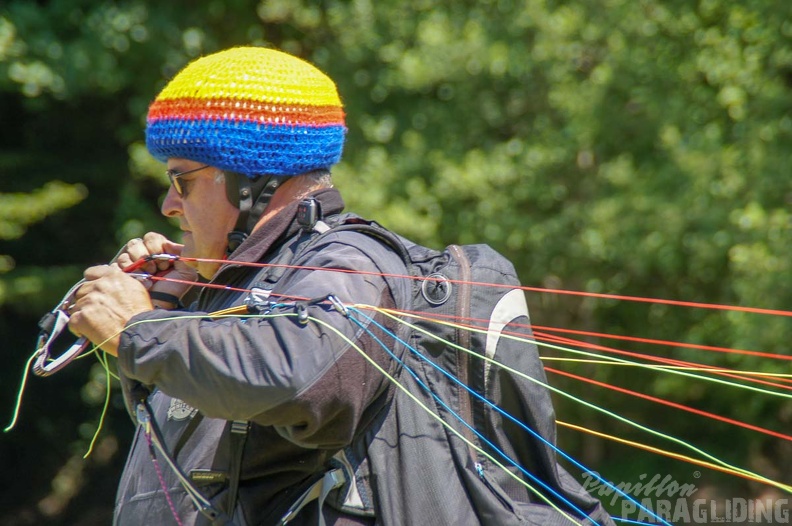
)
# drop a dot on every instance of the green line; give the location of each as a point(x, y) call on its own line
point(443, 422)
point(562, 393)
point(20, 392)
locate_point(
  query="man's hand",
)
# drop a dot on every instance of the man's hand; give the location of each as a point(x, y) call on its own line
point(104, 305)
point(153, 243)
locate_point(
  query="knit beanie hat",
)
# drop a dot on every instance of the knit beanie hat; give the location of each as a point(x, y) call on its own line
point(250, 110)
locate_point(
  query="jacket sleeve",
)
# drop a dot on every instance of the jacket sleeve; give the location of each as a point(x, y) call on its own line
point(306, 380)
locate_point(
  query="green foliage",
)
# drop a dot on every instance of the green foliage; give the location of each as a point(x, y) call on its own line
point(18, 211)
point(21, 210)
point(636, 147)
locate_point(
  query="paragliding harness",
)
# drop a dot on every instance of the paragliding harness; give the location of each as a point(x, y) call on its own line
point(444, 288)
point(238, 431)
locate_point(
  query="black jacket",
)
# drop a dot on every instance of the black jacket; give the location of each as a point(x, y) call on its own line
point(311, 396)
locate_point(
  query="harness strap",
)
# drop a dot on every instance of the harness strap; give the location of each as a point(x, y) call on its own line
point(319, 490)
point(187, 433)
point(153, 435)
point(239, 433)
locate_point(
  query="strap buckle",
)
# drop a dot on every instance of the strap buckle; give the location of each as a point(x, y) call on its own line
point(309, 211)
point(319, 490)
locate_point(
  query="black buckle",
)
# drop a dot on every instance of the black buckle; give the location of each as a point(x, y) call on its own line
point(309, 211)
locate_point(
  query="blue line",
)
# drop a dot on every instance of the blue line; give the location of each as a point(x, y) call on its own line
point(510, 417)
point(482, 437)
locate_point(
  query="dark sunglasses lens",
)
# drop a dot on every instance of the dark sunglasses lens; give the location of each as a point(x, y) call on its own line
point(174, 179)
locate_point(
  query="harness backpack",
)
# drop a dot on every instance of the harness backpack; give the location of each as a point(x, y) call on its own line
point(468, 320)
point(466, 352)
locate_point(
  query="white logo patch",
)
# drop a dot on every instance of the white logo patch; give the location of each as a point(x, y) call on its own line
point(179, 410)
point(510, 307)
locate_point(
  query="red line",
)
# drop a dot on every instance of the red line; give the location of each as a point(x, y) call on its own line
point(481, 324)
point(735, 373)
point(666, 343)
point(674, 405)
point(729, 373)
point(540, 336)
point(755, 310)
point(221, 287)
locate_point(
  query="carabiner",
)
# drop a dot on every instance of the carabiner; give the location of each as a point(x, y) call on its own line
point(52, 325)
point(54, 322)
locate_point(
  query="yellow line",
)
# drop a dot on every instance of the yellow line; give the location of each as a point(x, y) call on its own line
point(678, 456)
point(675, 367)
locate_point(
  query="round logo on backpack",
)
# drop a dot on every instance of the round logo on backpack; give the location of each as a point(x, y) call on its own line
point(436, 289)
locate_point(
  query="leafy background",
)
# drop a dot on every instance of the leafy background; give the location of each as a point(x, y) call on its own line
point(637, 147)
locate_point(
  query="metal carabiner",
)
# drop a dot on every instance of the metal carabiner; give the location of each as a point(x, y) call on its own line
point(52, 325)
point(55, 321)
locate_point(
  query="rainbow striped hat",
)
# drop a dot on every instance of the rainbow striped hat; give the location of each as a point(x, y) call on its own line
point(250, 110)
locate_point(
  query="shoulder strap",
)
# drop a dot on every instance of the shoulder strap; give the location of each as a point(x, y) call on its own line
point(335, 477)
point(374, 230)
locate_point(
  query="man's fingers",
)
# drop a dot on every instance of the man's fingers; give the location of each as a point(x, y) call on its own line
point(98, 271)
point(184, 271)
point(172, 248)
point(139, 248)
point(133, 251)
point(136, 249)
point(169, 247)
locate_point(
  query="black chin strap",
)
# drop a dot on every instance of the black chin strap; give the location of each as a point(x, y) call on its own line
point(251, 196)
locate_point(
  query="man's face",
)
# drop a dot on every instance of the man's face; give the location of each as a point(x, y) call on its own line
point(204, 213)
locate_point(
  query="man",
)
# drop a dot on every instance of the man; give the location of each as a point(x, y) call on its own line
point(289, 416)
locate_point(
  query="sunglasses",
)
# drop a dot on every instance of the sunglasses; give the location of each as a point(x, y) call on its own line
point(175, 176)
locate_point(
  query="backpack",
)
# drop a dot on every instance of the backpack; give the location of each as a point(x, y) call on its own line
point(468, 287)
